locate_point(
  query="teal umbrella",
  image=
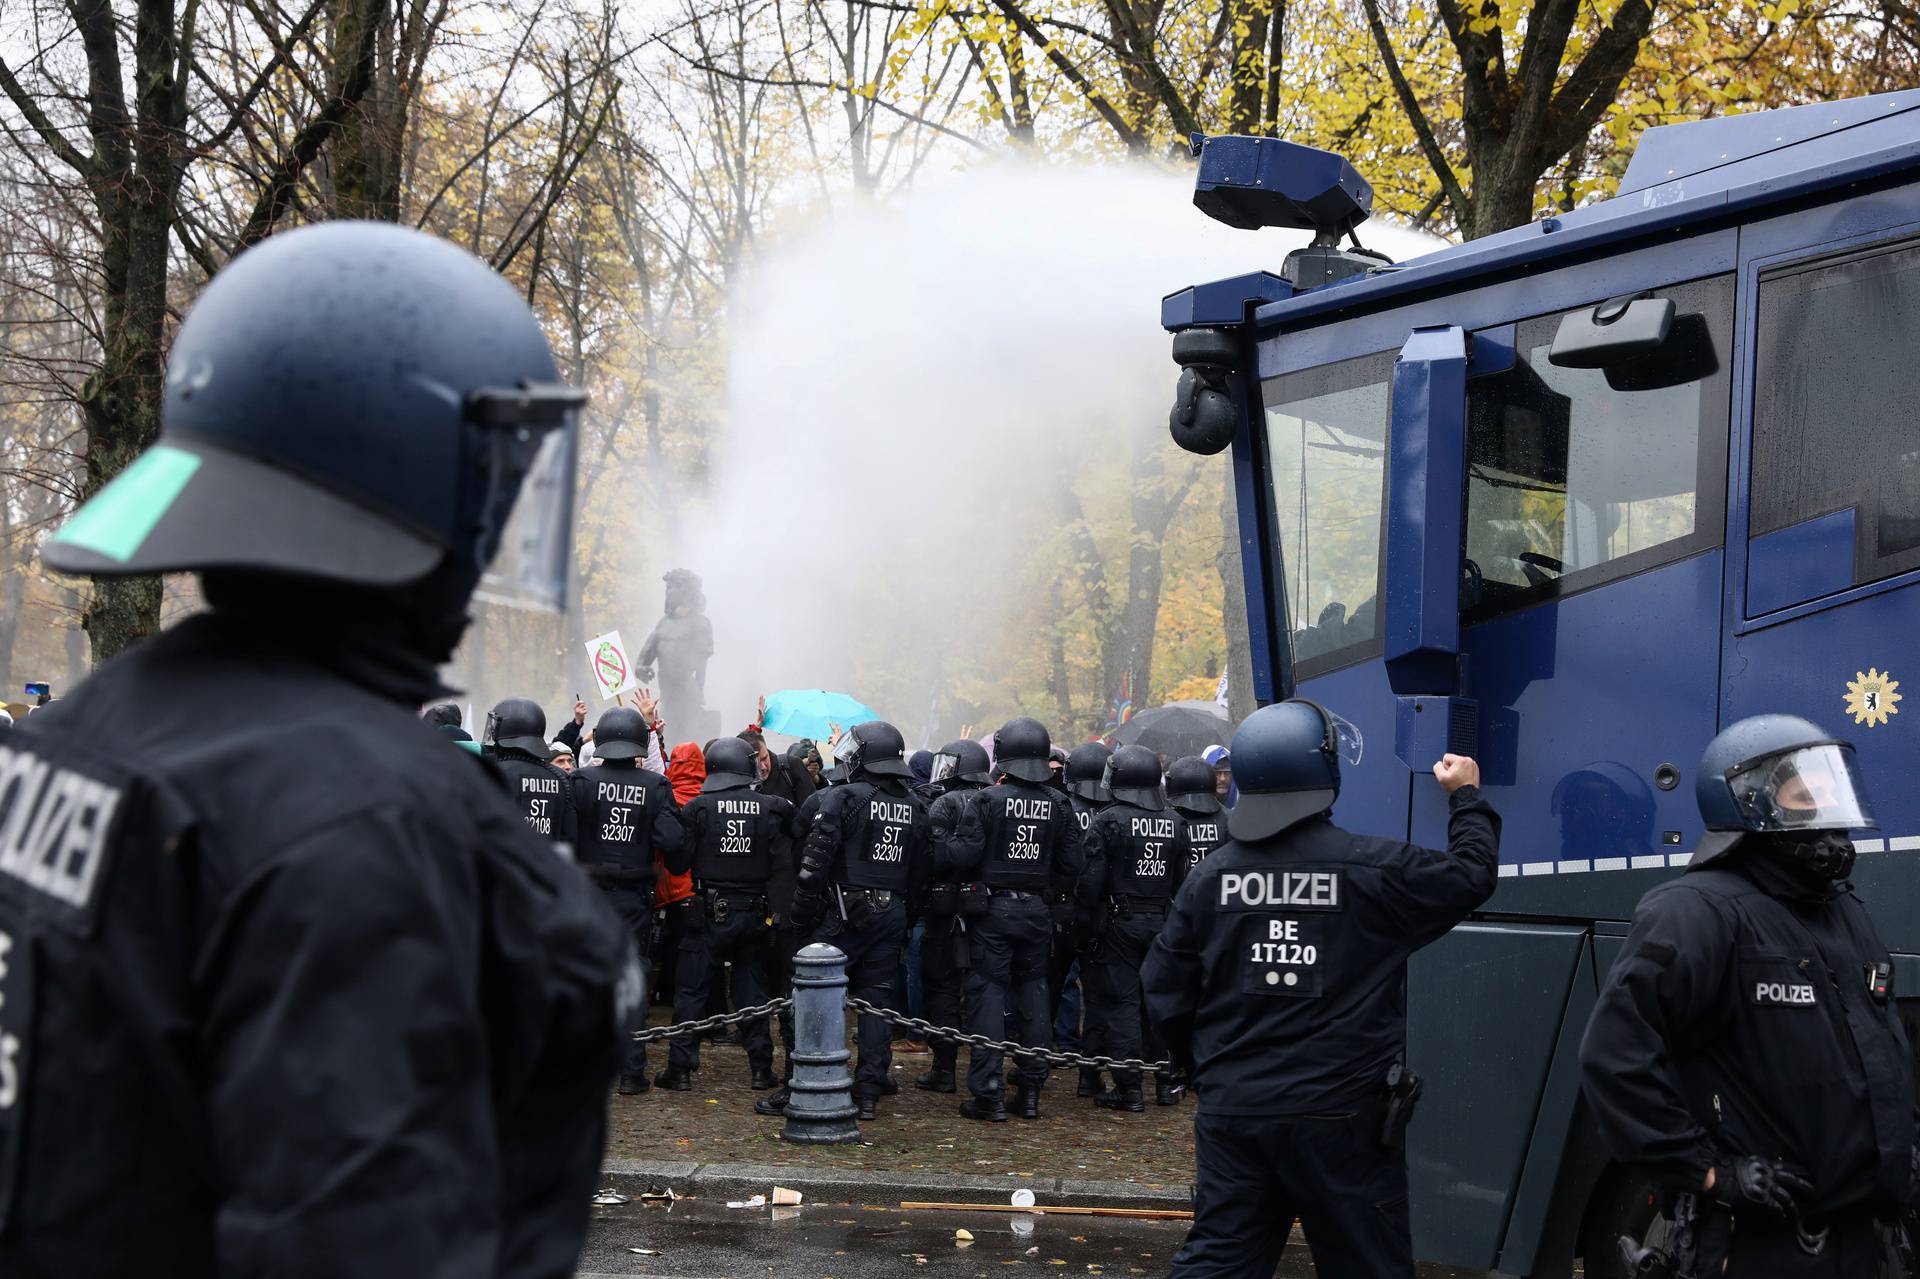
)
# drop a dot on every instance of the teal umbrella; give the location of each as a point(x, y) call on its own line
point(808, 712)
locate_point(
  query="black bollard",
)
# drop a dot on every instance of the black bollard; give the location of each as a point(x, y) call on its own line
point(820, 1109)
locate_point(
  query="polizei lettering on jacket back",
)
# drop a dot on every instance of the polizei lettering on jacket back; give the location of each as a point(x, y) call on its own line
point(890, 821)
point(1277, 889)
point(54, 826)
point(1028, 817)
point(619, 800)
point(540, 794)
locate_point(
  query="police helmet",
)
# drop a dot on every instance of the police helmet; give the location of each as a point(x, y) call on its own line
point(1190, 786)
point(962, 760)
point(874, 749)
point(730, 765)
point(519, 724)
point(1086, 771)
point(621, 733)
point(1023, 748)
point(1286, 764)
point(366, 402)
point(1133, 777)
point(1780, 773)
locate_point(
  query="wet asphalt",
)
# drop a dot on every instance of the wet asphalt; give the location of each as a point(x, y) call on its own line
point(706, 1240)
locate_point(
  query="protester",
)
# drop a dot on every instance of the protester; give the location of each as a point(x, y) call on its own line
point(560, 755)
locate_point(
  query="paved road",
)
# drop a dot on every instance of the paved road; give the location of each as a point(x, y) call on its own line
point(706, 1240)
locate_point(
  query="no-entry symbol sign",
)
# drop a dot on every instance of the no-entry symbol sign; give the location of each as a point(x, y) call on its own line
point(607, 660)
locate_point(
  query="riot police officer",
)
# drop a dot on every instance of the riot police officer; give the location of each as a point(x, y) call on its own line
point(624, 814)
point(304, 995)
point(865, 855)
point(1279, 984)
point(516, 736)
point(736, 835)
point(1191, 792)
point(1086, 782)
point(1746, 1054)
point(1019, 842)
point(1137, 855)
point(960, 769)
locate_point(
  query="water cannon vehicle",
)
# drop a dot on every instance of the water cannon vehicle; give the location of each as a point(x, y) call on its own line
point(1570, 498)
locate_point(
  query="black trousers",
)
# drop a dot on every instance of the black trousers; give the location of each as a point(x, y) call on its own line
point(1256, 1175)
point(872, 947)
point(1007, 971)
point(940, 984)
point(1763, 1247)
point(635, 908)
point(1125, 1031)
point(786, 944)
point(744, 938)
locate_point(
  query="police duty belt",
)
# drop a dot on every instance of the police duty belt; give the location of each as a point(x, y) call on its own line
point(1049, 1056)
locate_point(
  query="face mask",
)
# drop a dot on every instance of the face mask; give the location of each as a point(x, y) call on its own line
point(1827, 854)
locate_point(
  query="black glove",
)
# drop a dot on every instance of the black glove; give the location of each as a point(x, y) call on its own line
point(807, 909)
point(1752, 1182)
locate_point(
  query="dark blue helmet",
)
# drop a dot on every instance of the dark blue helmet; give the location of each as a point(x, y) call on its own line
point(1086, 774)
point(1024, 749)
point(518, 723)
point(962, 760)
point(1780, 773)
point(874, 749)
point(1190, 786)
point(1133, 777)
point(356, 402)
point(730, 764)
point(620, 733)
point(1286, 764)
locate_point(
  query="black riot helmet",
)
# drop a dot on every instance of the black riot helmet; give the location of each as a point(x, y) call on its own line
point(1190, 786)
point(621, 733)
point(1023, 749)
point(874, 749)
point(1787, 784)
point(354, 402)
point(518, 724)
point(1133, 777)
point(1086, 774)
point(962, 760)
point(731, 763)
point(1290, 770)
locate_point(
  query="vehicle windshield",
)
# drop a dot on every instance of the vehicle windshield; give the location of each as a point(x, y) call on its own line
point(1327, 458)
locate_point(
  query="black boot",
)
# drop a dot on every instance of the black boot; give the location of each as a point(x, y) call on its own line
point(1091, 1085)
point(1026, 1102)
point(633, 1084)
point(936, 1080)
point(773, 1103)
point(869, 1107)
point(674, 1079)
point(986, 1109)
point(889, 1086)
point(764, 1078)
point(1168, 1090)
point(1126, 1096)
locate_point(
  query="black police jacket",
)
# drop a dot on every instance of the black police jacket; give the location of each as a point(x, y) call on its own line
point(867, 834)
point(735, 839)
point(950, 818)
point(1084, 809)
point(1134, 855)
point(1280, 977)
point(542, 792)
point(1746, 1017)
point(289, 989)
point(1018, 835)
point(1205, 832)
point(624, 814)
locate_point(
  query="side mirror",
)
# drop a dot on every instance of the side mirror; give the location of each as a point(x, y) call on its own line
point(1616, 330)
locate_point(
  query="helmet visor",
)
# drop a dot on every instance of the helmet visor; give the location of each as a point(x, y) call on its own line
point(1348, 743)
point(529, 571)
point(844, 752)
point(944, 766)
point(1812, 788)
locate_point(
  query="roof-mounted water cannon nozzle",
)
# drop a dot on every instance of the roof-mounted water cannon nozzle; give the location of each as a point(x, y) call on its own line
point(1251, 183)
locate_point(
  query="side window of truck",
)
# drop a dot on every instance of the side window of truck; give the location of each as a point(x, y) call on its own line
point(1578, 476)
point(1837, 390)
point(1327, 461)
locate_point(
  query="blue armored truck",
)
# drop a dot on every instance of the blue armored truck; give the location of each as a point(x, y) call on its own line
point(1569, 499)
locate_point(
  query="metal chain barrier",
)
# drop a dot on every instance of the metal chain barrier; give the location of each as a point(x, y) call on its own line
point(719, 1021)
point(927, 1030)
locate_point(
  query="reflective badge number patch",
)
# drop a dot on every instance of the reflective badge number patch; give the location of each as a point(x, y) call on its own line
point(16, 1039)
point(1282, 954)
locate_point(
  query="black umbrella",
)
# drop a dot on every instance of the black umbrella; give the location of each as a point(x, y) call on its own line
point(1176, 729)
